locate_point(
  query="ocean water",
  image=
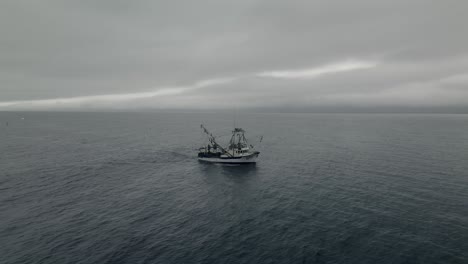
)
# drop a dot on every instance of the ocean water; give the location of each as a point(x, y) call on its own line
point(328, 188)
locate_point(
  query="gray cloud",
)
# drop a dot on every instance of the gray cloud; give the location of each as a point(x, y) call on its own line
point(119, 54)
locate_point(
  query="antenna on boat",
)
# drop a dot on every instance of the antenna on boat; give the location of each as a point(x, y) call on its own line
point(235, 117)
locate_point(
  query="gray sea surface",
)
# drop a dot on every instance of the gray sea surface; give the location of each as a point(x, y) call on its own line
point(328, 188)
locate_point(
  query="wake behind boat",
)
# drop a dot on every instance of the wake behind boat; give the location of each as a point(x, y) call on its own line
point(239, 150)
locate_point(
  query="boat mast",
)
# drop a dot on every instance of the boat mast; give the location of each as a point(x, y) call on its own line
point(212, 139)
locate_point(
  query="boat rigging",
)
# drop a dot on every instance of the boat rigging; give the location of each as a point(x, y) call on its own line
point(238, 151)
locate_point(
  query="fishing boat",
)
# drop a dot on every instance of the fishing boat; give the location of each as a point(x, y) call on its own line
point(239, 151)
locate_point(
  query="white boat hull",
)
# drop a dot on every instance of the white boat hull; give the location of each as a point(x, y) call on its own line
point(240, 160)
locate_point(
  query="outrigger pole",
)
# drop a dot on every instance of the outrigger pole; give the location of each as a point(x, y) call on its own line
point(213, 141)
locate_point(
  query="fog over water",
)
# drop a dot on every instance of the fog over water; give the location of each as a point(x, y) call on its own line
point(309, 55)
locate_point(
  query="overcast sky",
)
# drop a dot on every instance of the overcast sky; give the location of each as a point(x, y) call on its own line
point(119, 54)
